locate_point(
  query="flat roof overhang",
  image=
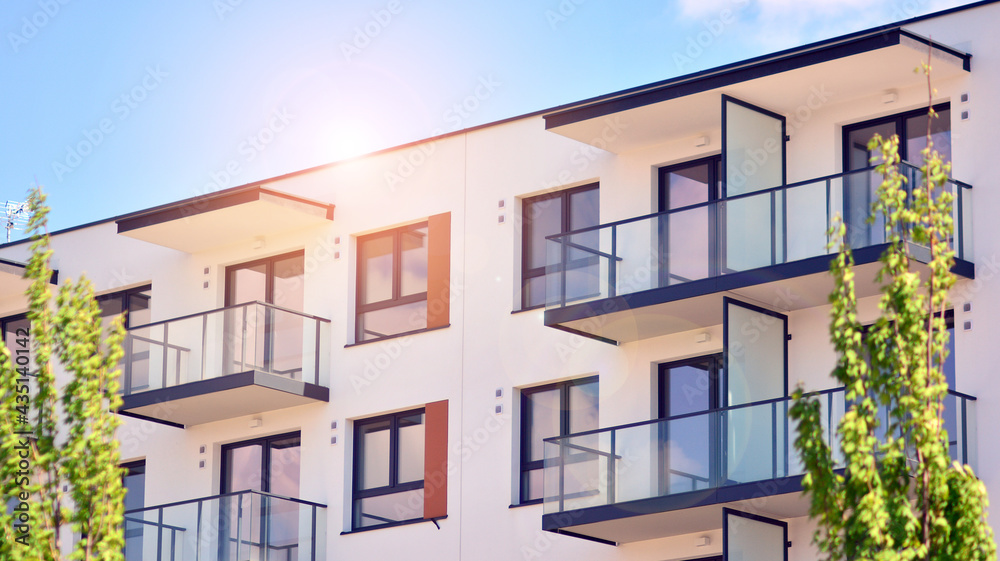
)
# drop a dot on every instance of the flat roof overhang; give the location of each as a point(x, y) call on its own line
point(224, 218)
point(834, 71)
point(683, 513)
point(698, 304)
point(12, 281)
point(225, 397)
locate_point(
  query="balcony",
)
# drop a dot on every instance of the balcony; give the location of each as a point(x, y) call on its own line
point(247, 525)
point(226, 363)
point(667, 272)
point(674, 476)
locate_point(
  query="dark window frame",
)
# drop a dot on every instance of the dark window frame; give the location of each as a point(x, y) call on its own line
point(528, 466)
point(269, 263)
point(900, 121)
point(265, 456)
point(714, 179)
point(397, 298)
point(125, 296)
point(394, 485)
point(716, 373)
point(564, 196)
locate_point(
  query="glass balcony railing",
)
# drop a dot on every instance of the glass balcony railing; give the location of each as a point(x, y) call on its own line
point(760, 229)
point(251, 336)
point(249, 525)
point(742, 444)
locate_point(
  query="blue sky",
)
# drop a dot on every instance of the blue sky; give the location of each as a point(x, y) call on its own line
point(121, 106)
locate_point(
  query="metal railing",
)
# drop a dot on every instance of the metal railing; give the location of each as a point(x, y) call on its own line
point(248, 525)
point(747, 443)
point(250, 336)
point(739, 233)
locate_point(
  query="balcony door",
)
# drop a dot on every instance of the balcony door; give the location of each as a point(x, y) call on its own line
point(690, 394)
point(751, 537)
point(755, 357)
point(753, 160)
point(250, 522)
point(687, 236)
point(861, 188)
point(259, 338)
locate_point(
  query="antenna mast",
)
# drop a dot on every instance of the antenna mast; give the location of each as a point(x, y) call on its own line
point(17, 216)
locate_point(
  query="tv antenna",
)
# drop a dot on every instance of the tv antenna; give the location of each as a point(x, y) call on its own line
point(17, 216)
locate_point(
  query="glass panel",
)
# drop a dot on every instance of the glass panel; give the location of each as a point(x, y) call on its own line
point(282, 517)
point(544, 415)
point(687, 453)
point(584, 211)
point(286, 337)
point(750, 230)
point(686, 186)
point(583, 401)
point(289, 283)
point(916, 136)
point(376, 268)
point(413, 261)
point(542, 217)
point(247, 284)
point(753, 150)
point(373, 453)
point(243, 465)
point(534, 291)
point(806, 218)
point(749, 539)
point(135, 486)
point(688, 244)
point(383, 509)
point(411, 448)
point(531, 485)
point(284, 467)
point(391, 321)
point(139, 314)
point(688, 389)
point(110, 308)
point(861, 188)
point(755, 355)
point(583, 268)
point(756, 441)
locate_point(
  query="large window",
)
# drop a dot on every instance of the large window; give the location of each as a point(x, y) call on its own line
point(389, 469)
point(404, 279)
point(552, 410)
point(392, 282)
point(555, 213)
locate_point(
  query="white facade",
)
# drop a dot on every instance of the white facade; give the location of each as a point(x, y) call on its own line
point(484, 174)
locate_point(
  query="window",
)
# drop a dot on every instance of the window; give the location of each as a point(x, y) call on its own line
point(134, 304)
point(912, 130)
point(275, 280)
point(862, 188)
point(134, 482)
point(389, 469)
point(555, 213)
point(403, 279)
point(547, 411)
point(269, 465)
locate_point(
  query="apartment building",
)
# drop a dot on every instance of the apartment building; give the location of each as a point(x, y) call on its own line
point(567, 335)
